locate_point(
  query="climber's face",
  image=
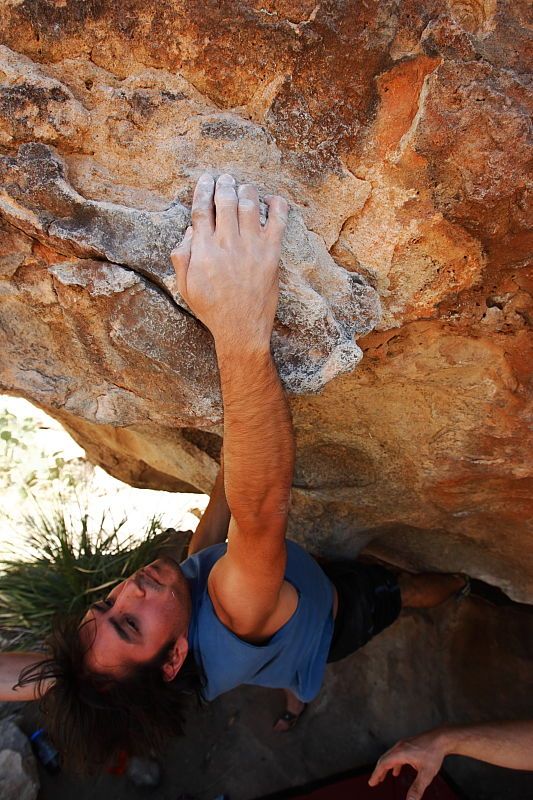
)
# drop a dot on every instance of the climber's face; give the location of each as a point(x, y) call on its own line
point(137, 619)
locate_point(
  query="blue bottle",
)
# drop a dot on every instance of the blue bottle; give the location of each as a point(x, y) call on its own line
point(45, 751)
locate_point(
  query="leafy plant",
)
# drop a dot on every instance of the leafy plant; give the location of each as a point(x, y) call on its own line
point(11, 429)
point(64, 567)
point(24, 464)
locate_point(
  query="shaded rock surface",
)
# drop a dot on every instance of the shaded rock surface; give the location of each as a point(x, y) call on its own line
point(462, 662)
point(18, 770)
point(400, 134)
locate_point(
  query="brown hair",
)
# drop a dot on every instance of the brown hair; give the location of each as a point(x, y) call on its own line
point(91, 717)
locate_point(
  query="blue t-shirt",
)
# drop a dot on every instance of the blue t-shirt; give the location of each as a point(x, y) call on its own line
point(293, 658)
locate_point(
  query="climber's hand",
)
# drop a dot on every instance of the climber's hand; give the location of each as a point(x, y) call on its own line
point(424, 753)
point(227, 263)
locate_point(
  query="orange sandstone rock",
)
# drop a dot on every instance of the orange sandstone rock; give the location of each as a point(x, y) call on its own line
point(400, 135)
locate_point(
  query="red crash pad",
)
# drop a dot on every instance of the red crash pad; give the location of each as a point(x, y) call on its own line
point(355, 787)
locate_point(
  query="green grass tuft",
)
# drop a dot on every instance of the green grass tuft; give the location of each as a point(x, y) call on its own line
point(63, 568)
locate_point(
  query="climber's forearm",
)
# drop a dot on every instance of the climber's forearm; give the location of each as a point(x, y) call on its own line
point(506, 744)
point(11, 665)
point(258, 442)
point(213, 526)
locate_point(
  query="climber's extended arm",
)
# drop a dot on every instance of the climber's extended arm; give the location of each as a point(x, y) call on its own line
point(213, 526)
point(227, 270)
point(11, 665)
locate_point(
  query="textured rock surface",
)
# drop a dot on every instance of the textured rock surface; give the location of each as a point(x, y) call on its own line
point(18, 769)
point(321, 308)
point(399, 132)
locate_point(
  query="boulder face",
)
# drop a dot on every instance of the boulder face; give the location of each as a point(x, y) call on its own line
point(19, 778)
point(399, 134)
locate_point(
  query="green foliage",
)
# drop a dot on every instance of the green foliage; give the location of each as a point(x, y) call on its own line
point(24, 464)
point(11, 428)
point(65, 567)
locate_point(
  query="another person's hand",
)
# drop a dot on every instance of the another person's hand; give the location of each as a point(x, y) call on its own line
point(227, 263)
point(424, 753)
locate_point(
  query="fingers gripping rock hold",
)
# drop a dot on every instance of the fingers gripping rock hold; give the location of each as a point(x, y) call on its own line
point(322, 307)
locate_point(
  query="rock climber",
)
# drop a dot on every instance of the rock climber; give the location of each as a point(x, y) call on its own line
point(256, 609)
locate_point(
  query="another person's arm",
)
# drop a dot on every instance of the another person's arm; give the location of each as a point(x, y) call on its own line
point(506, 744)
point(213, 526)
point(11, 665)
point(227, 272)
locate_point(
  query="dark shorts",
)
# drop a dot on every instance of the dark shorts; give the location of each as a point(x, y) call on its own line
point(369, 601)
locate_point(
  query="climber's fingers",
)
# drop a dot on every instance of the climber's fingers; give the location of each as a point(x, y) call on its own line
point(249, 222)
point(278, 212)
point(420, 784)
point(424, 753)
point(227, 226)
point(203, 207)
point(180, 257)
